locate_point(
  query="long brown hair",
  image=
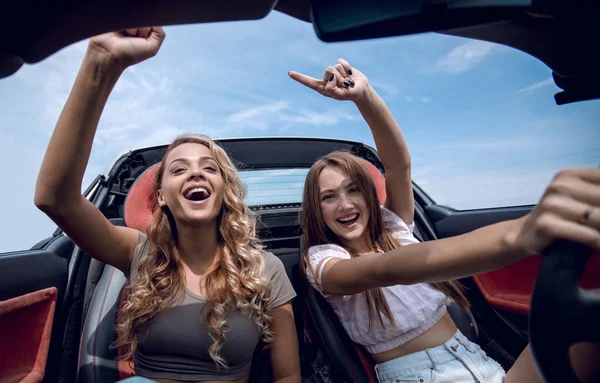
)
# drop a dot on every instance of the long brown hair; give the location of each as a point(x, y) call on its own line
point(317, 233)
point(238, 277)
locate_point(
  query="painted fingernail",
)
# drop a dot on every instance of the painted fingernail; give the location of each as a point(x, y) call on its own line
point(350, 72)
point(351, 81)
point(347, 82)
point(331, 77)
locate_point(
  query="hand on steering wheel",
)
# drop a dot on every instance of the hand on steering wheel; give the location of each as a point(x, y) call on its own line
point(569, 210)
point(566, 225)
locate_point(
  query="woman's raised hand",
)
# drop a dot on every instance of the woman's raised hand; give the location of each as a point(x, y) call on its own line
point(128, 47)
point(340, 81)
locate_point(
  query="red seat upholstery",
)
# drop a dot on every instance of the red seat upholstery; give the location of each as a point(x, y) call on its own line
point(378, 179)
point(25, 330)
point(140, 199)
point(510, 287)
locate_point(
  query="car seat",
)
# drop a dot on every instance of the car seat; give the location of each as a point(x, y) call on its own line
point(97, 359)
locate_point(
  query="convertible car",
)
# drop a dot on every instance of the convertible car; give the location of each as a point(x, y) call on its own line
point(58, 307)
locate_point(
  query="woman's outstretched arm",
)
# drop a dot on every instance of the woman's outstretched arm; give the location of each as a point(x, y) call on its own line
point(569, 210)
point(58, 189)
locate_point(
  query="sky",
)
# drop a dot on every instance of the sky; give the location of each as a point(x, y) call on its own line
point(480, 119)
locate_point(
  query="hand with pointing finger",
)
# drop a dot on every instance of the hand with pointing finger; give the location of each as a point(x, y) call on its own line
point(341, 82)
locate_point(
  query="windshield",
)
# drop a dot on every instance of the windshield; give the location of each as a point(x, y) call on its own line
point(272, 187)
point(479, 119)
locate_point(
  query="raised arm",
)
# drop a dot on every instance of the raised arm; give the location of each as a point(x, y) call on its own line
point(570, 210)
point(58, 189)
point(342, 82)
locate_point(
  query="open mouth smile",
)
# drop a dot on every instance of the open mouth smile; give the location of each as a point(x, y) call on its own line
point(197, 194)
point(348, 220)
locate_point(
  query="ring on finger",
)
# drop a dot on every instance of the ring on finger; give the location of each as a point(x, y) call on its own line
point(586, 215)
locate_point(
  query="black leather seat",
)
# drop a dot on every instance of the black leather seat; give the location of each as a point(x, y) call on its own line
point(97, 361)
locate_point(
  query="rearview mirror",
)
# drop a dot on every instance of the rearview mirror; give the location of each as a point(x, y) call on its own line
point(343, 20)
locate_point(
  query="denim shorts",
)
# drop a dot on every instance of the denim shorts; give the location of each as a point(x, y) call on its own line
point(136, 379)
point(457, 360)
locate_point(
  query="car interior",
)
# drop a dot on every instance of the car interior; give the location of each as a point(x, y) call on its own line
point(58, 307)
point(93, 292)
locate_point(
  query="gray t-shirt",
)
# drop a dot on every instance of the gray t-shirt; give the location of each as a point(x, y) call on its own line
point(174, 344)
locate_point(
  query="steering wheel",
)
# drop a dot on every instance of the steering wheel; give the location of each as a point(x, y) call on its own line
point(562, 313)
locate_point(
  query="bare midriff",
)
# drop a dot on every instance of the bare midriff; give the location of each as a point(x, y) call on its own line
point(437, 335)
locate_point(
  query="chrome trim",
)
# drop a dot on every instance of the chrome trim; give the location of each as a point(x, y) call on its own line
point(92, 192)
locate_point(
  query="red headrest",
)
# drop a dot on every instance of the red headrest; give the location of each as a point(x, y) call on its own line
point(379, 180)
point(138, 209)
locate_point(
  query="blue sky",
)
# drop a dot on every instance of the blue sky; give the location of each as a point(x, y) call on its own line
point(479, 118)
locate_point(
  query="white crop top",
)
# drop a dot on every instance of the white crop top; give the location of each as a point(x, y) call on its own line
point(416, 308)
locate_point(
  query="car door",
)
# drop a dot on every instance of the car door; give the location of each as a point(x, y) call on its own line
point(34, 284)
point(41, 307)
point(500, 299)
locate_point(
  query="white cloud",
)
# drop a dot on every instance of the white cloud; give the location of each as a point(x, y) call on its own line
point(422, 171)
point(537, 85)
point(257, 112)
point(463, 58)
point(159, 137)
point(424, 100)
point(386, 87)
point(150, 106)
point(284, 115)
point(309, 117)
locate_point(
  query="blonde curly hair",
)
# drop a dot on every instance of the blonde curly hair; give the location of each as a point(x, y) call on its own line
point(238, 278)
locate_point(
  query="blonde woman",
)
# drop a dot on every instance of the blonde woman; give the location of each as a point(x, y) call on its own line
point(388, 290)
point(202, 292)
